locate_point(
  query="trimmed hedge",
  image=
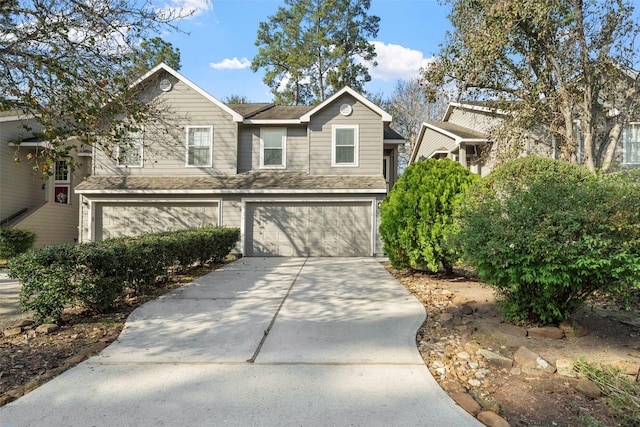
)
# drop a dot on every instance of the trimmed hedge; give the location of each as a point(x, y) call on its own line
point(96, 274)
point(15, 241)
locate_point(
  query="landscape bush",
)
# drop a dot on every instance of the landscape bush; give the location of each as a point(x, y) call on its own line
point(547, 234)
point(94, 275)
point(15, 241)
point(417, 217)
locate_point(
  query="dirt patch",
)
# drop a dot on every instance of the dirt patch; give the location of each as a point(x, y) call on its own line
point(463, 319)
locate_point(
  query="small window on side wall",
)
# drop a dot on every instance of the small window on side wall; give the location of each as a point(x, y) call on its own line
point(62, 181)
point(199, 146)
point(632, 143)
point(273, 147)
point(344, 142)
point(130, 150)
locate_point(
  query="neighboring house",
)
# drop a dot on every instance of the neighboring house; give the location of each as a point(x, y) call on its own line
point(28, 200)
point(464, 135)
point(295, 180)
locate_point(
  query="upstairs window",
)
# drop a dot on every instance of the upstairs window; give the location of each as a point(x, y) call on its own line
point(632, 143)
point(130, 150)
point(273, 145)
point(62, 181)
point(344, 145)
point(199, 146)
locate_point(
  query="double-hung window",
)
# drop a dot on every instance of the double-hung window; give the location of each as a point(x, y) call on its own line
point(130, 150)
point(199, 146)
point(344, 142)
point(273, 147)
point(632, 143)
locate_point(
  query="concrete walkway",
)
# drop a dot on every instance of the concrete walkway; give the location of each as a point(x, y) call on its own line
point(260, 342)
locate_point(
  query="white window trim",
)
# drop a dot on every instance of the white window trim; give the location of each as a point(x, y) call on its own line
point(624, 145)
point(356, 137)
point(68, 187)
point(55, 173)
point(186, 160)
point(141, 163)
point(284, 149)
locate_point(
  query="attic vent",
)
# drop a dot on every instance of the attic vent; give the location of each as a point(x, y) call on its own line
point(345, 109)
point(165, 85)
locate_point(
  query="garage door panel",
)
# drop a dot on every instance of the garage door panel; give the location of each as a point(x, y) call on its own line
point(308, 229)
point(118, 219)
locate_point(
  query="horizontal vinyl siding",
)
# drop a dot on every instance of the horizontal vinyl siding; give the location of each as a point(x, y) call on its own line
point(21, 185)
point(432, 141)
point(475, 120)
point(54, 223)
point(369, 145)
point(165, 145)
point(249, 148)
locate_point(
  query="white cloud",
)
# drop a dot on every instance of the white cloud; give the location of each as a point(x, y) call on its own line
point(185, 8)
point(397, 62)
point(231, 64)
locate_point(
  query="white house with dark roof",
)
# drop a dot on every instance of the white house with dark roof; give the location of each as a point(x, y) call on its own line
point(296, 180)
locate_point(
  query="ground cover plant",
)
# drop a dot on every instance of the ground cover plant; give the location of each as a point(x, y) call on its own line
point(546, 234)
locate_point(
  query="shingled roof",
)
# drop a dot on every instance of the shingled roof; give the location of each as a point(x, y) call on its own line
point(254, 181)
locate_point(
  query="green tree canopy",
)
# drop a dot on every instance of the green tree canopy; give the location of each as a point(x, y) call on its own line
point(63, 61)
point(311, 48)
point(567, 63)
point(153, 52)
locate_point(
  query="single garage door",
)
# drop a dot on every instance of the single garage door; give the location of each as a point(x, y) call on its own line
point(124, 219)
point(308, 229)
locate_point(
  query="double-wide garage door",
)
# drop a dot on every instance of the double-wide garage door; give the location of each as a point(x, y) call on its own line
point(308, 229)
point(124, 219)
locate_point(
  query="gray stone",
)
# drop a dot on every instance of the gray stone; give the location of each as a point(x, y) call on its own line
point(495, 359)
point(47, 328)
point(545, 366)
point(474, 382)
point(492, 419)
point(467, 402)
point(446, 318)
point(464, 355)
point(588, 388)
point(466, 310)
point(546, 332)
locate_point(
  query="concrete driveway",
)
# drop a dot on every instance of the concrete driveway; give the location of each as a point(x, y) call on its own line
point(264, 342)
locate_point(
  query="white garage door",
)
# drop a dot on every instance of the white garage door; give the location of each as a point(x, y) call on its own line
point(308, 229)
point(118, 219)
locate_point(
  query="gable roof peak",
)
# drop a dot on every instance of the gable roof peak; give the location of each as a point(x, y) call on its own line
point(386, 117)
point(164, 67)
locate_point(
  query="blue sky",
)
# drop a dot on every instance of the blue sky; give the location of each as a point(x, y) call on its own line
point(216, 53)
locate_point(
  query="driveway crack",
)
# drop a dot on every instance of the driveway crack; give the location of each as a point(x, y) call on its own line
point(275, 316)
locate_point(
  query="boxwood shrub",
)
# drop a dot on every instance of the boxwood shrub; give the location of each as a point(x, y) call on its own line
point(96, 274)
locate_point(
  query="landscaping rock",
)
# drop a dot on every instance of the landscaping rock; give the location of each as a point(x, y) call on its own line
point(571, 328)
point(497, 360)
point(466, 310)
point(513, 330)
point(546, 332)
point(626, 368)
point(492, 419)
point(525, 357)
point(467, 402)
point(47, 328)
point(565, 367)
point(588, 388)
point(12, 332)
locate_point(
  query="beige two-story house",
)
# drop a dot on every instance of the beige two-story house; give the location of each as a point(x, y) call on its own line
point(296, 180)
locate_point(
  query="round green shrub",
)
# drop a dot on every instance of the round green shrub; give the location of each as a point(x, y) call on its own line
point(417, 216)
point(15, 241)
point(547, 234)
